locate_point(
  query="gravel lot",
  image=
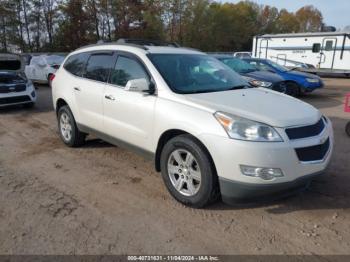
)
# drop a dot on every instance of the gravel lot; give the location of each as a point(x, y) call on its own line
point(101, 199)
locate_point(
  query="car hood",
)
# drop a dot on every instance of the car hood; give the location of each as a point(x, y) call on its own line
point(264, 76)
point(302, 74)
point(8, 78)
point(260, 105)
point(11, 63)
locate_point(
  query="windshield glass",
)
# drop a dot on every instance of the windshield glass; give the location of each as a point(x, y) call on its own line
point(195, 73)
point(277, 66)
point(238, 65)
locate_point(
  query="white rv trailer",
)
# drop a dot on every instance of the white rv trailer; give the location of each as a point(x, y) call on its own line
point(326, 51)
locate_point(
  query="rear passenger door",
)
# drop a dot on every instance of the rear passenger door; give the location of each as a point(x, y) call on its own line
point(128, 115)
point(89, 90)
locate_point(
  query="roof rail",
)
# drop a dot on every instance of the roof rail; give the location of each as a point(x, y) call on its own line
point(146, 42)
point(139, 43)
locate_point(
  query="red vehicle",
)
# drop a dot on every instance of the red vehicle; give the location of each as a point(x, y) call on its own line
point(347, 109)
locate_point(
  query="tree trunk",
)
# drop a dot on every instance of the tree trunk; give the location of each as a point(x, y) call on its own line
point(26, 25)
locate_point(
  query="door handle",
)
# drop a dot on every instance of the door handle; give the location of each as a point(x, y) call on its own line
point(77, 89)
point(110, 97)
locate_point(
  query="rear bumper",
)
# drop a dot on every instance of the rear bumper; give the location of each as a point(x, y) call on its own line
point(233, 191)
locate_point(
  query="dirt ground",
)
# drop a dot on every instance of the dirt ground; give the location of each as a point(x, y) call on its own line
point(100, 199)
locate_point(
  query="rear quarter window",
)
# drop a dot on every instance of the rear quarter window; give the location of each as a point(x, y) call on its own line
point(75, 64)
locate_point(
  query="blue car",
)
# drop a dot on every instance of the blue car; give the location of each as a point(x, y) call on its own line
point(298, 82)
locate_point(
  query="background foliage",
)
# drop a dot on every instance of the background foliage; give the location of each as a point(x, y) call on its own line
point(64, 25)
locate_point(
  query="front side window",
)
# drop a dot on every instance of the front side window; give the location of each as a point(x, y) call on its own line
point(127, 69)
point(196, 73)
point(75, 64)
point(99, 66)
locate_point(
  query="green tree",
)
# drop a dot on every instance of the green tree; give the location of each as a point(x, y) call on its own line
point(310, 19)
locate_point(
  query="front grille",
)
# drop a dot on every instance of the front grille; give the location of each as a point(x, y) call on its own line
point(305, 131)
point(12, 88)
point(313, 153)
point(14, 100)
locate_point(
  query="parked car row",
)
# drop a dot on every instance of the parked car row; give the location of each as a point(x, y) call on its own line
point(209, 132)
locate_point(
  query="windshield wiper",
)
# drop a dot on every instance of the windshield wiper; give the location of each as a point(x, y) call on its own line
point(238, 87)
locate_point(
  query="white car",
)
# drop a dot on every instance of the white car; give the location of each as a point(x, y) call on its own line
point(43, 67)
point(15, 88)
point(208, 132)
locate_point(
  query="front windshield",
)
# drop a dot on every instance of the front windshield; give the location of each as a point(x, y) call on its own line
point(238, 65)
point(196, 73)
point(277, 66)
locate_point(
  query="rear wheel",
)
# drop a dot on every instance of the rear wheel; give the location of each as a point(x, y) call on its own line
point(293, 89)
point(347, 128)
point(68, 129)
point(188, 173)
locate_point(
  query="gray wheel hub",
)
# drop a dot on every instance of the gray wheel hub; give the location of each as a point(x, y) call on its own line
point(184, 172)
point(65, 127)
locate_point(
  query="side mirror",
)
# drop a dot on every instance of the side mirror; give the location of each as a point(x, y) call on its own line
point(139, 85)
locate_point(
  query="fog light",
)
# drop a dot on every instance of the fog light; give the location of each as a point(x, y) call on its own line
point(262, 172)
point(33, 94)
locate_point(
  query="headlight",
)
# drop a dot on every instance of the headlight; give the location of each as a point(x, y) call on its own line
point(257, 83)
point(312, 80)
point(245, 129)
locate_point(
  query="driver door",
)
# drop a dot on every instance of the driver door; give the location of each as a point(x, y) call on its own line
point(129, 115)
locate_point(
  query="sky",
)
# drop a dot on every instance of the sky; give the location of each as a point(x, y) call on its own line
point(335, 12)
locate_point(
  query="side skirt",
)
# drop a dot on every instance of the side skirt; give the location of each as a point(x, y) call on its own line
point(117, 142)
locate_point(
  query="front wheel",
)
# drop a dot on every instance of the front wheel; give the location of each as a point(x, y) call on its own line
point(293, 89)
point(68, 129)
point(188, 172)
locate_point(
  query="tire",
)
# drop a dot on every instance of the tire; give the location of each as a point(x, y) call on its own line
point(68, 129)
point(293, 89)
point(195, 189)
point(347, 128)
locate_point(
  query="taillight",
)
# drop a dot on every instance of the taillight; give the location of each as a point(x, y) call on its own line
point(51, 77)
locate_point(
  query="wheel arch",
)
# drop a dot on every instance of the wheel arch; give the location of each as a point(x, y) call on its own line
point(171, 133)
point(59, 103)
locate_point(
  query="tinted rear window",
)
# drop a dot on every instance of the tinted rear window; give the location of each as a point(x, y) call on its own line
point(10, 65)
point(99, 66)
point(75, 64)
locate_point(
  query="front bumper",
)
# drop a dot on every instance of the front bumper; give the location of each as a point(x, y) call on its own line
point(18, 98)
point(309, 87)
point(229, 154)
point(233, 192)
